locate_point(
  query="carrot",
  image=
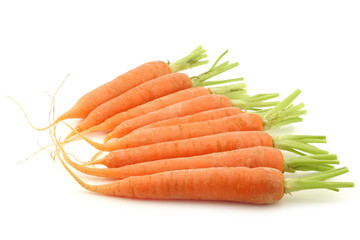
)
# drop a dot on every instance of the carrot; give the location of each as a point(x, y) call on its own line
point(209, 144)
point(127, 81)
point(149, 91)
point(246, 157)
point(239, 184)
point(189, 107)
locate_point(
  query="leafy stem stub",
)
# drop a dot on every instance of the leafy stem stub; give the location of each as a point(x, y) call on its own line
point(316, 181)
point(299, 144)
point(189, 61)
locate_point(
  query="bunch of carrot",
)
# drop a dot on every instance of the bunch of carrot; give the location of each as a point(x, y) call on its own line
point(171, 136)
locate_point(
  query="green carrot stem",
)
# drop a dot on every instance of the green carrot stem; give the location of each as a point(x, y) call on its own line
point(324, 156)
point(216, 82)
point(327, 175)
point(264, 96)
point(228, 88)
point(304, 138)
point(307, 163)
point(319, 168)
point(189, 61)
point(252, 102)
point(298, 185)
point(284, 112)
point(217, 60)
point(286, 122)
point(286, 102)
point(214, 70)
point(317, 181)
point(299, 144)
point(200, 79)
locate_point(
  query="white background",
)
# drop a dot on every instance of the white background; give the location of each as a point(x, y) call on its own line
point(280, 45)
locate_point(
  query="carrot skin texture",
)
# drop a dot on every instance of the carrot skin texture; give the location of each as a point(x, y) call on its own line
point(247, 157)
point(114, 88)
point(186, 148)
point(239, 122)
point(136, 96)
point(238, 184)
point(197, 117)
point(156, 104)
point(199, 104)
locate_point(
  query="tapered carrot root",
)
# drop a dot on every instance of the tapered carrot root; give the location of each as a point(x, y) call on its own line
point(141, 94)
point(210, 144)
point(129, 80)
point(247, 157)
point(119, 85)
point(185, 148)
point(238, 184)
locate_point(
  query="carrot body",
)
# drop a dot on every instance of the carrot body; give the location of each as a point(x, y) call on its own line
point(114, 88)
point(246, 157)
point(199, 104)
point(186, 148)
point(156, 104)
point(239, 122)
point(136, 96)
point(197, 117)
point(239, 184)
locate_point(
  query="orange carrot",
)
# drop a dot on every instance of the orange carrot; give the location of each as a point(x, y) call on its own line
point(246, 157)
point(149, 91)
point(239, 184)
point(186, 108)
point(208, 144)
point(116, 87)
point(129, 80)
